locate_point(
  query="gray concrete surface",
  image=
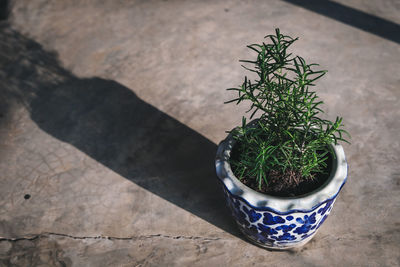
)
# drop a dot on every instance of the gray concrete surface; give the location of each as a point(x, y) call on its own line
point(111, 112)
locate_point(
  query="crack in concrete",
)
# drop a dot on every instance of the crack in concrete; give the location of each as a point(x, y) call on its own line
point(142, 237)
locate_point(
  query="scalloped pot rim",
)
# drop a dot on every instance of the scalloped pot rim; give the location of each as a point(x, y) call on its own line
point(281, 205)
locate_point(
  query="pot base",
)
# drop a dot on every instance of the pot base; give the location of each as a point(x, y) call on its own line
point(271, 246)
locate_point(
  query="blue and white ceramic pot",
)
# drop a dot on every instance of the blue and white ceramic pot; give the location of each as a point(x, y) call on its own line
point(279, 222)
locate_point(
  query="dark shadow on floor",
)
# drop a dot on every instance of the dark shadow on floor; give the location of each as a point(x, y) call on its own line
point(108, 122)
point(3, 9)
point(353, 17)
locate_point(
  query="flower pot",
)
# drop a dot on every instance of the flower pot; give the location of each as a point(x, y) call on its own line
point(279, 222)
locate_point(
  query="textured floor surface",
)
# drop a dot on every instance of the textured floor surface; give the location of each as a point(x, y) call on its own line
point(111, 112)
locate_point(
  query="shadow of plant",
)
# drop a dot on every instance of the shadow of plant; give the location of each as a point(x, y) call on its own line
point(108, 122)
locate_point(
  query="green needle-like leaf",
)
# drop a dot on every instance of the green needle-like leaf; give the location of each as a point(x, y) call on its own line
point(288, 136)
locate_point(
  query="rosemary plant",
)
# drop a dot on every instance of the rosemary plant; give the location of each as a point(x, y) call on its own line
point(288, 142)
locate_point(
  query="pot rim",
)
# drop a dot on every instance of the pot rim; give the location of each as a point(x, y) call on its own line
point(281, 205)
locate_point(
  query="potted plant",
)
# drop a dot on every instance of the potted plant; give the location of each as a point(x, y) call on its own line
point(282, 172)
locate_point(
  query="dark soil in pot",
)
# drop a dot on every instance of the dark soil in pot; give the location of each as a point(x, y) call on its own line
point(281, 185)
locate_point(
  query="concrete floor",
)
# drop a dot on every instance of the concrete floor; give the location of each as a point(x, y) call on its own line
point(111, 111)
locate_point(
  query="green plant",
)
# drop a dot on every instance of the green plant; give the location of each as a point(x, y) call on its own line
point(288, 142)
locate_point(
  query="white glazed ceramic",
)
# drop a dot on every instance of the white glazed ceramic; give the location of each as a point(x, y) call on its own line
point(279, 222)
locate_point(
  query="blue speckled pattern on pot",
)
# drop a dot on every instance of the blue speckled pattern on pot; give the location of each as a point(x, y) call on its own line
point(274, 230)
point(279, 222)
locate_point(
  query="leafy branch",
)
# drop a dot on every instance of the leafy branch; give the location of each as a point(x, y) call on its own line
point(289, 137)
